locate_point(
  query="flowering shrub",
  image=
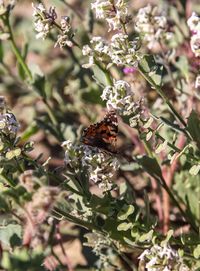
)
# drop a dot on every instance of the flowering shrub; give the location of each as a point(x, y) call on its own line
point(127, 187)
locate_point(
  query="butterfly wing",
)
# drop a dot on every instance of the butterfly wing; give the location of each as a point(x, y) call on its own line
point(102, 134)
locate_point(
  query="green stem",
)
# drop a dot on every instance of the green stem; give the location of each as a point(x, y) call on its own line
point(162, 94)
point(16, 50)
point(7, 180)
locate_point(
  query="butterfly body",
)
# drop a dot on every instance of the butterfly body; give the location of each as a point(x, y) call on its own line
point(102, 134)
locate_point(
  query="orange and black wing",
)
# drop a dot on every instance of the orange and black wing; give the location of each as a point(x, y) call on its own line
point(102, 134)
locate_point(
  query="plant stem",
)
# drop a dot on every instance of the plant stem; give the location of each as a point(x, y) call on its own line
point(16, 50)
point(162, 94)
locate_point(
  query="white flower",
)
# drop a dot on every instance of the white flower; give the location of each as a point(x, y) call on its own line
point(98, 49)
point(195, 44)
point(197, 82)
point(123, 51)
point(62, 41)
point(194, 23)
point(43, 20)
point(152, 26)
point(120, 97)
point(114, 12)
point(100, 165)
point(162, 258)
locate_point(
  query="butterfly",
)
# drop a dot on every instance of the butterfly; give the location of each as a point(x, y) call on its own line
point(102, 134)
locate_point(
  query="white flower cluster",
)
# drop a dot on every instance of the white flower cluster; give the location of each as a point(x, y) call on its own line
point(120, 97)
point(99, 49)
point(8, 124)
point(100, 165)
point(152, 26)
point(123, 51)
point(6, 6)
point(120, 51)
point(64, 38)
point(194, 26)
point(115, 12)
point(159, 258)
point(43, 20)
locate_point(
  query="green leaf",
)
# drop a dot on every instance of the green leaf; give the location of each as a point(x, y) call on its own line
point(154, 71)
point(1, 52)
point(187, 188)
point(126, 211)
point(146, 237)
point(124, 226)
point(183, 65)
point(10, 234)
point(194, 170)
point(196, 252)
point(193, 127)
point(3, 204)
point(31, 130)
point(100, 75)
point(21, 71)
point(150, 165)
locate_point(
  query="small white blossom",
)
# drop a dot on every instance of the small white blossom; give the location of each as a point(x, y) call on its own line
point(98, 49)
point(159, 258)
point(195, 44)
point(197, 82)
point(100, 166)
point(152, 26)
point(114, 12)
point(120, 97)
point(123, 51)
point(43, 20)
point(194, 23)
